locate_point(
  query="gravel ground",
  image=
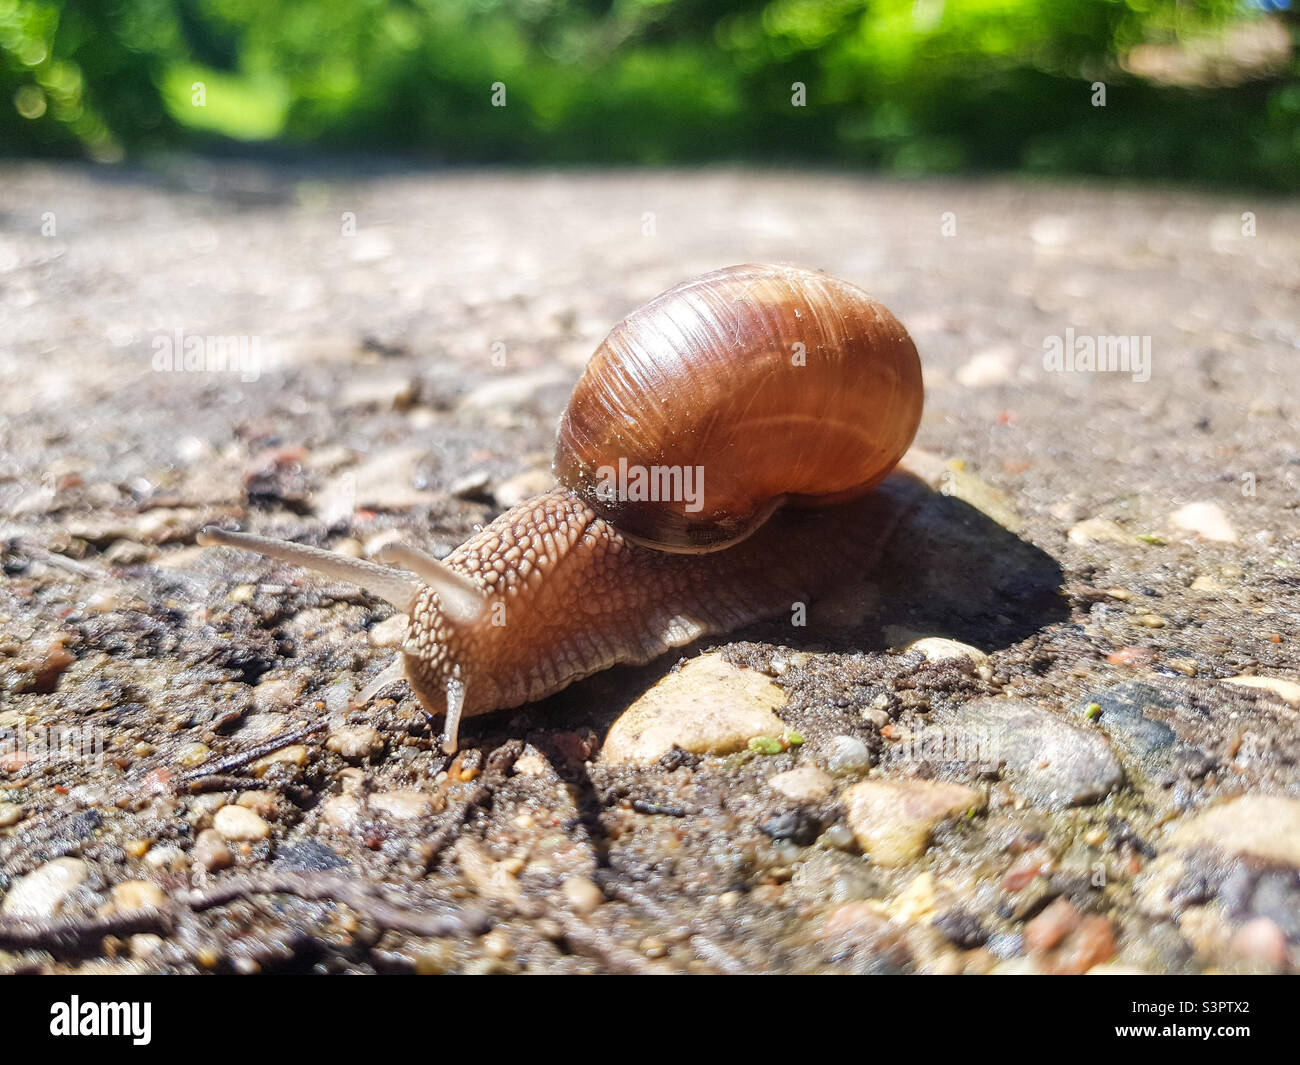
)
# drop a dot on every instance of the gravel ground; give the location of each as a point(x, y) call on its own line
point(1073, 785)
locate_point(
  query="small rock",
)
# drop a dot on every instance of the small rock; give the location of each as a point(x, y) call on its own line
point(939, 649)
point(1122, 715)
point(1261, 941)
point(583, 896)
point(1050, 761)
point(240, 825)
point(804, 784)
point(1287, 690)
point(532, 763)
point(41, 892)
point(166, 857)
point(707, 707)
point(138, 895)
point(391, 632)
point(1097, 531)
point(309, 856)
point(193, 754)
point(341, 811)
point(211, 852)
point(962, 928)
point(847, 754)
point(1207, 520)
point(402, 805)
point(10, 814)
point(1260, 826)
point(503, 393)
point(993, 366)
point(861, 927)
point(1089, 945)
point(892, 819)
point(294, 754)
point(276, 693)
point(800, 826)
point(989, 501)
point(524, 486)
point(356, 743)
point(1049, 928)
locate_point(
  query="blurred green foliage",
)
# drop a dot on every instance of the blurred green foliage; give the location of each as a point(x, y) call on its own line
point(908, 86)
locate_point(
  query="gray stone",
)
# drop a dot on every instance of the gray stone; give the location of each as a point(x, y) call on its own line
point(1049, 761)
point(1123, 718)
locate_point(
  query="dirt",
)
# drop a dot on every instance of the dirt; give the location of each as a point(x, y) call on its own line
point(415, 337)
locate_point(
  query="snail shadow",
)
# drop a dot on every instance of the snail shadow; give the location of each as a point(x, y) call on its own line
point(919, 563)
point(940, 567)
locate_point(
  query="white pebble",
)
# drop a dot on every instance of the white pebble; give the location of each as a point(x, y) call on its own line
point(847, 754)
point(240, 824)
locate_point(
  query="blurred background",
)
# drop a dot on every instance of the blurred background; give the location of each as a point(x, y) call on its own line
point(1198, 91)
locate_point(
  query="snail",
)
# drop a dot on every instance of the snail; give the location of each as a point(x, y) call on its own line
point(707, 463)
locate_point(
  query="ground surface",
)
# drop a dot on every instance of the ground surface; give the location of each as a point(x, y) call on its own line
point(417, 335)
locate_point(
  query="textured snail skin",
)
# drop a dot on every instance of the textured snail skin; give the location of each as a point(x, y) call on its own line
point(579, 597)
point(793, 392)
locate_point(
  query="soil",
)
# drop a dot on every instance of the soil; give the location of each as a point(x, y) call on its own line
point(413, 337)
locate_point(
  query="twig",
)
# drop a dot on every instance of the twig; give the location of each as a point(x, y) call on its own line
point(252, 754)
point(359, 895)
point(68, 935)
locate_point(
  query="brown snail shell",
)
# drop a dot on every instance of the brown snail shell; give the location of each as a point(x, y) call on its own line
point(774, 384)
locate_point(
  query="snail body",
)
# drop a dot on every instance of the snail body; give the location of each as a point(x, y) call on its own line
point(770, 398)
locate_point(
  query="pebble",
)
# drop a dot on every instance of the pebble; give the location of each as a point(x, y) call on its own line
point(847, 754)
point(892, 819)
point(1091, 944)
point(708, 706)
point(532, 763)
point(1258, 826)
point(356, 743)
point(861, 926)
point(341, 811)
point(1286, 690)
point(276, 693)
point(41, 892)
point(1261, 941)
point(1048, 761)
point(166, 857)
point(1207, 520)
point(138, 895)
point(582, 895)
point(804, 784)
point(515, 390)
point(294, 754)
point(211, 852)
point(523, 486)
point(193, 754)
point(10, 814)
point(402, 805)
point(989, 501)
point(1123, 718)
point(939, 649)
point(391, 632)
point(240, 825)
point(1049, 928)
point(1098, 531)
point(993, 366)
